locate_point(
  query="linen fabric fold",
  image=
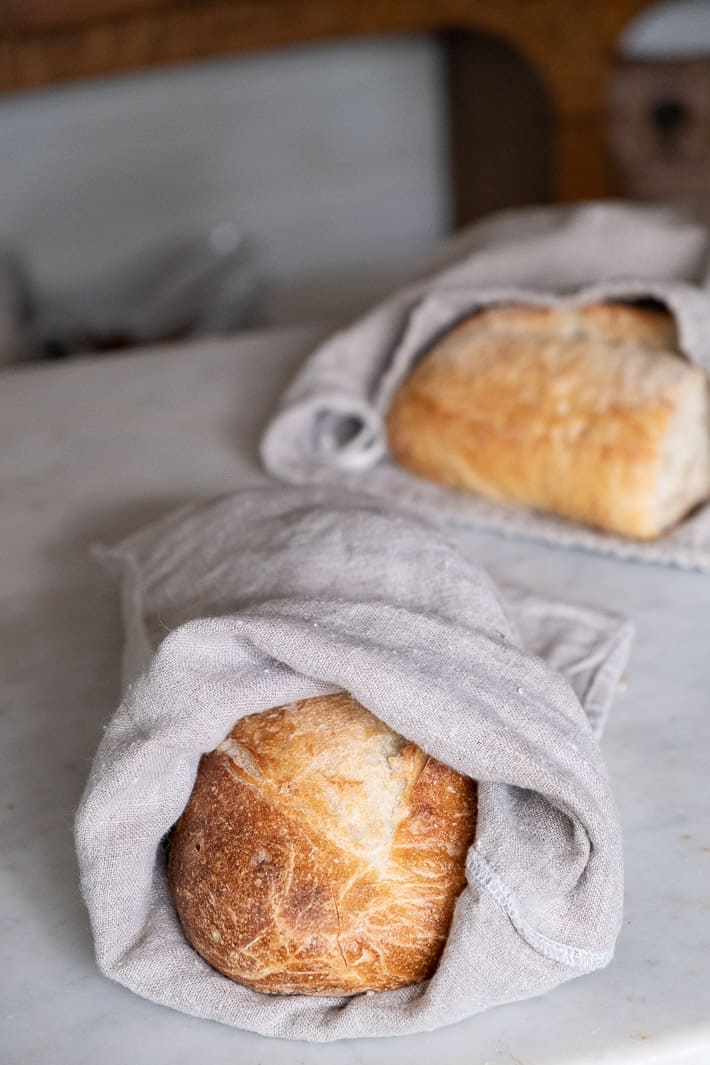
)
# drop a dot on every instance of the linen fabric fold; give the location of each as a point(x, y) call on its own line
point(273, 595)
point(329, 425)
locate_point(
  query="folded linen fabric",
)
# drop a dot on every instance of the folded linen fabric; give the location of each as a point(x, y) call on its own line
point(272, 595)
point(330, 423)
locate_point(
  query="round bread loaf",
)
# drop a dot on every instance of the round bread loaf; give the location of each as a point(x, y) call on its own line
point(320, 852)
point(586, 412)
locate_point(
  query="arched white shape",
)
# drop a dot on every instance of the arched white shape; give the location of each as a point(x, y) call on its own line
point(669, 30)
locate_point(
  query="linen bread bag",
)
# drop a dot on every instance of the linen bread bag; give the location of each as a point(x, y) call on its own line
point(239, 611)
point(553, 382)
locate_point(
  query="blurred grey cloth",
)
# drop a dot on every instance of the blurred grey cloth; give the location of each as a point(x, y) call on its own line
point(274, 595)
point(329, 425)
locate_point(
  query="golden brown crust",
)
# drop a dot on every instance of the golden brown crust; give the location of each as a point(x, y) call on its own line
point(320, 853)
point(617, 323)
point(613, 323)
point(531, 405)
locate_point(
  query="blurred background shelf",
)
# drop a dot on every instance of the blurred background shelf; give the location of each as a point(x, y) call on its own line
point(346, 138)
point(562, 53)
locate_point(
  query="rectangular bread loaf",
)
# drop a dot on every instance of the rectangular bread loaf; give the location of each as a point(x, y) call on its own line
point(590, 413)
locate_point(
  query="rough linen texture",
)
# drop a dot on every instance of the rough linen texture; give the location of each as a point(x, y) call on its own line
point(271, 596)
point(330, 422)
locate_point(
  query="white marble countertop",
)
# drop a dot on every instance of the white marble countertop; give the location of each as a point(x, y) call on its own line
point(91, 450)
